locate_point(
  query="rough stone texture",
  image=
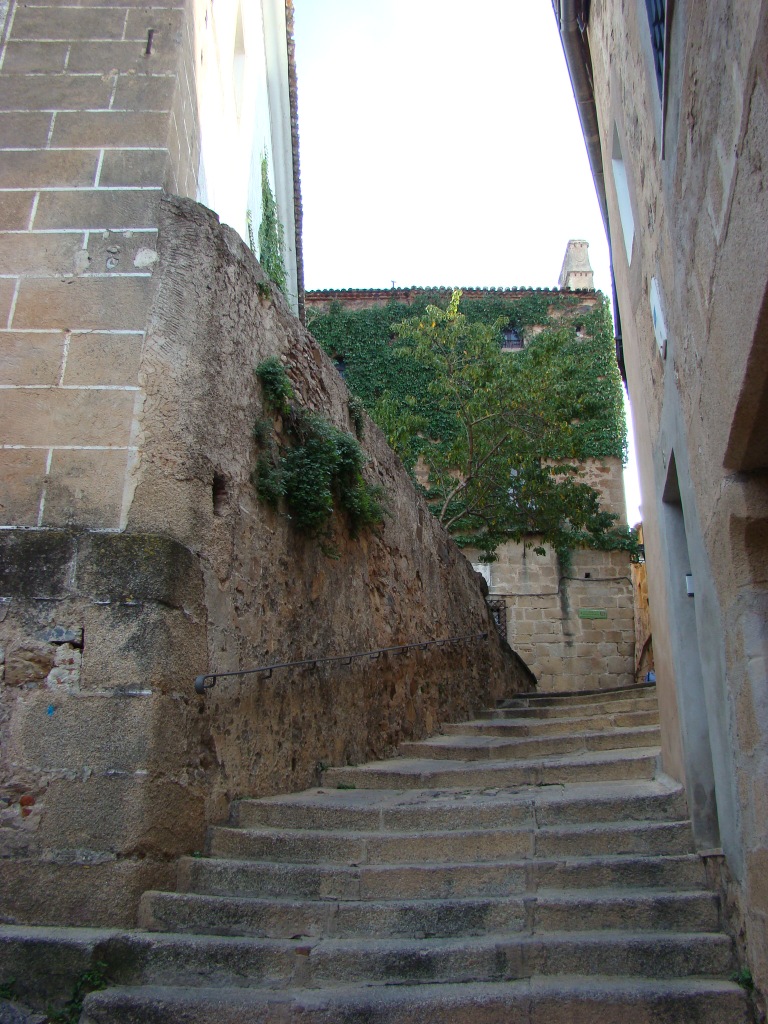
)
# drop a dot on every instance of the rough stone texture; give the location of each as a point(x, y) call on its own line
point(545, 611)
point(112, 766)
point(697, 189)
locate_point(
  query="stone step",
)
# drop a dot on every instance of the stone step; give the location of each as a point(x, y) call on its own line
point(141, 958)
point(423, 773)
point(479, 845)
point(551, 726)
point(478, 747)
point(219, 877)
point(541, 1000)
point(561, 709)
point(574, 699)
point(362, 810)
point(638, 909)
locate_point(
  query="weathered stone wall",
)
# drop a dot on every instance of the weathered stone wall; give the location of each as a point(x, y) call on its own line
point(695, 165)
point(575, 631)
point(112, 766)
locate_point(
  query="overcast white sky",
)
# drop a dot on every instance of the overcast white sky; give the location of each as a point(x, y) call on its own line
point(440, 145)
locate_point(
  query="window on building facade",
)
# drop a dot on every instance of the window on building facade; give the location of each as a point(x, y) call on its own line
point(621, 181)
point(657, 17)
point(511, 338)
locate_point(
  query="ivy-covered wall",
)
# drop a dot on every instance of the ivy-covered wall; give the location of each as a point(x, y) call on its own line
point(568, 342)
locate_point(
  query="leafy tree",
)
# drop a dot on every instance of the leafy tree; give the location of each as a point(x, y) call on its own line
point(503, 468)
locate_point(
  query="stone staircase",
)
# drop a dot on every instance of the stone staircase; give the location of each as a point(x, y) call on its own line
point(530, 867)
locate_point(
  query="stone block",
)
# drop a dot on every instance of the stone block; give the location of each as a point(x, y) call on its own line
point(46, 168)
point(30, 358)
point(85, 488)
point(101, 358)
point(83, 894)
point(122, 252)
point(98, 209)
point(22, 130)
point(34, 57)
point(132, 816)
point(28, 663)
point(134, 167)
point(106, 129)
point(145, 92)
point(98, 733)
point(59, 23)
point(36, 564)
point(54, 92)
point(15, 210)
point(39, 255)
point(7, 292)
point(143, 645)
point(21, 482)
point(124, 57)
point(84, 304)
point(66, 417)
point(140, 567)
point(166, 24)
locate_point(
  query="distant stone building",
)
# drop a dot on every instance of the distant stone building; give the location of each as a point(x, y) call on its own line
point(575, 631)
point(673, 100)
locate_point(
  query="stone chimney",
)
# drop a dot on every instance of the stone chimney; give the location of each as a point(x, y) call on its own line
point(576, 271)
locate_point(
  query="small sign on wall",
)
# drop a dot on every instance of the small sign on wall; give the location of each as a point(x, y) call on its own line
point(593, 613)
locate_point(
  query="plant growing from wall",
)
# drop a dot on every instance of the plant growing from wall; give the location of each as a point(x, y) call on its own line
point(316, 470)
point(271, 235)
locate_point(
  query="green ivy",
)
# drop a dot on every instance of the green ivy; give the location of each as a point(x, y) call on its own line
point(574, 352)
point(275, 386)
point(271, 234)
point(317, 470)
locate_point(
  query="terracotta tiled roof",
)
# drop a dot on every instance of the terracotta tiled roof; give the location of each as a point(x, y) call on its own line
point(408, 293)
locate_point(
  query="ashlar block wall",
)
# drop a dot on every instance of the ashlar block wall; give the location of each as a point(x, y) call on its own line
point(98, 115)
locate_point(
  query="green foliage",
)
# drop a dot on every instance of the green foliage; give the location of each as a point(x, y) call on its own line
point(500, 433)
point(357, 415)
point(275, 385)
point(271, 234)
point(249, 228)
point(318, 469)
point(93, 980)
point(744, 978)
point(7, 988)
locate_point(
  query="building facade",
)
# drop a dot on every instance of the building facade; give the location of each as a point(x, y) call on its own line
point(673, 99)
point(103, 109)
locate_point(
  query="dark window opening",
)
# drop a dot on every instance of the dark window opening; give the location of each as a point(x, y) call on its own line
point(511, 338)
point(657, 17)
point(498, 608)
point(219, 494)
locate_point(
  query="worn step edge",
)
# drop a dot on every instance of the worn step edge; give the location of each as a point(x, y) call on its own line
point(194, 913)
point(218, 877)
point(408, 810)
point(542, 1000)
point(319, 846)
point(470, 747)
point(425, 773)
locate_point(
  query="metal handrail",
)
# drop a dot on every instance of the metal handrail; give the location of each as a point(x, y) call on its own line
point(201, 686)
